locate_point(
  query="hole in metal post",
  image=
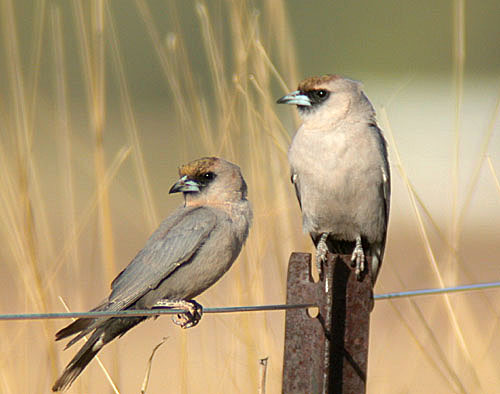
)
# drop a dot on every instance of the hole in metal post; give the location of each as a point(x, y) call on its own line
point(313, 312)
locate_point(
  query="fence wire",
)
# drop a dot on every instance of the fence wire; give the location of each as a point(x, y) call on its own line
point(233, 309)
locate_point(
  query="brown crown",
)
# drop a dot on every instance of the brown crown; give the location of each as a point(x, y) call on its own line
point(314, 82)
point(198, 167)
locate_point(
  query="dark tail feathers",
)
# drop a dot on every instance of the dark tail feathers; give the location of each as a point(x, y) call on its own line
point(80, 361)
point(105, 333)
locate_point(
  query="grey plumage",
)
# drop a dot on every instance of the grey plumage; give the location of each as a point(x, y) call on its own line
point(340, 170)
point(189, 252)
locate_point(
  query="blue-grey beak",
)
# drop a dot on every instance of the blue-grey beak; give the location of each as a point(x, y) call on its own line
point(297, 98)
point(185, 185)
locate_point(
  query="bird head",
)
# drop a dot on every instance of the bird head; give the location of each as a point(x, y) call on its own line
point(210, 180)
point(328, 99)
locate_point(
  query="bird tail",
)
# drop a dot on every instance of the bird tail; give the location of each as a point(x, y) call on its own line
point(80, 361)
point(80, 325)
point(377, 257)
point(102, 335)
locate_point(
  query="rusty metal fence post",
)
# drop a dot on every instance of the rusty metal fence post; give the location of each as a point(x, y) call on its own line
point(327, 353)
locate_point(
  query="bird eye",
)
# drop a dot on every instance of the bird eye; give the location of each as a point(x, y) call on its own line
point(209, 176)
point(318, 96)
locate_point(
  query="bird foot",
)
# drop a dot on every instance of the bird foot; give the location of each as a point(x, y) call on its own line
point(321, 253)
point(191, 315)
point(358, 258)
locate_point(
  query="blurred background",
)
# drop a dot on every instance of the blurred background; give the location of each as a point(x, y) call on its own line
point(101, 101)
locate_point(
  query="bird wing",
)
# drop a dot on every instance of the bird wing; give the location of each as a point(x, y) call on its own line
point(386, 190)
point(294, 178)
point(386, 179)
point(166, 250)
point(172, 244)
point(385, 187)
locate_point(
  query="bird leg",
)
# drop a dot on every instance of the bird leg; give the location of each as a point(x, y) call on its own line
point(358, 257)
point(189, 318)
point(321, 252)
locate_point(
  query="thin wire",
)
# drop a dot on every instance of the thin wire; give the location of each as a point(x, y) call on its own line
point(456, 289)
point(148, 312)
point(233, 309)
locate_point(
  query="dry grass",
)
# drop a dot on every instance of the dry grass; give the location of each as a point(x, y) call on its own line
point(84, 169)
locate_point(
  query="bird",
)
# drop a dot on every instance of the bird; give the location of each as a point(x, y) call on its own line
point(191, 249)
point(339, 166)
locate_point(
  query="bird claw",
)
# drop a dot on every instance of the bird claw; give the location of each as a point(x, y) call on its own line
point(321, 253)
point(358, 258)
point(191, 315)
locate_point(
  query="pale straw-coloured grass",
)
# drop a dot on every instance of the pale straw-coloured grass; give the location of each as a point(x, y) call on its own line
point(68, 233)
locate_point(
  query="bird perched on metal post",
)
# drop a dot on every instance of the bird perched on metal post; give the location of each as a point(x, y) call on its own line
point(188, 253)
point(340, 170)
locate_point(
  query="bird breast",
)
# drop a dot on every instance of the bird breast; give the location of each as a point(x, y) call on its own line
point(339, 189)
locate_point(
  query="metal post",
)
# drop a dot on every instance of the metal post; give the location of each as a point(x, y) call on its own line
point(327, 353)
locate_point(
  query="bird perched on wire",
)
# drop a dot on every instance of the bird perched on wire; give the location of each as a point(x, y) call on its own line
point(188, 253)
point(340, 170)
